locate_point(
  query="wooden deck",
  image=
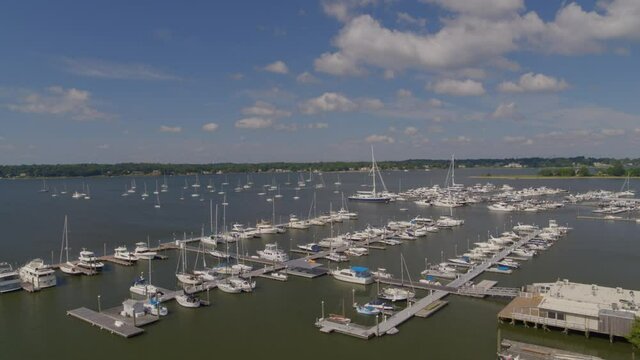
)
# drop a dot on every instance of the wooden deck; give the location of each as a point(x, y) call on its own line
point(390, 324)
point(105, 322)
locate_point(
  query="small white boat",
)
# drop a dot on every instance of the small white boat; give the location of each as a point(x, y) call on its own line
point(355, 274)
point(272, 253)
point(121, 253)
point(188, 300)
point(396, 294)
point(142, 251)
point(88, 260)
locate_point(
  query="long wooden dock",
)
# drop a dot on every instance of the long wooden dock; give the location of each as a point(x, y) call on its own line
point(389, 325)
point(105, 322)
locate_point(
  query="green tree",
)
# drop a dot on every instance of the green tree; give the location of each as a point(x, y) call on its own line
point(617, 169)
point(583, 171)
point(634, 335)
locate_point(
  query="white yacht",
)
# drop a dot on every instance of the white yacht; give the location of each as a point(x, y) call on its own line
point(142, 251)
point(9, 279)
point(88, 260)
point(272, 253)
point(372, 195)
point(121, 253)
point(142, 287)
point(396, 294)
point(188, 300)
point(336, 257)
point(38, 274)
point(501, 206)
point(355, 274)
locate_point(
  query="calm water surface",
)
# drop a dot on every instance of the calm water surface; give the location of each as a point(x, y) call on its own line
point(278, 317)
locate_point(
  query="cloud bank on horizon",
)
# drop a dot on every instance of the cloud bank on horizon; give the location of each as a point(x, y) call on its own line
point(213, 82)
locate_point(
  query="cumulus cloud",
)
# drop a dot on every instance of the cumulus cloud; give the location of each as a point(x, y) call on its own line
point(379, 139)
point(478, 32)
point(306, 78)
point(210, 127)
point(318, 125)
point(613, 132)
point(59, 101)
point(326, 102)
point(278, 67)
point(531, 82)
point(433, 102)
point(112, 70)
point(506, 111)
point(343, 10)
point(458, 87)
point(170, 129)
point(404, 93)
point(406, 19)
point(254, 123)
point(265, 109)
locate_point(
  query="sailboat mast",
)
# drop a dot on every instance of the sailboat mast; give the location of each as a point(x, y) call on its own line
point(373, 170)
point(210, 216)
point(453, 170)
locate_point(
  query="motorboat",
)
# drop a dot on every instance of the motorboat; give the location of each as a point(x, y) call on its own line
point(88, 260)
point(242, 284)
point(396, 294)
point(188, 300)
point(122, 253)
point(228, 287)
point(143, 252)
point(311, 247)
point(38, 274)
point(367, 310)
point(142, 287)
point(381, 273)
point(336, 257)
point(355, 274)
point(9, 278)
point(272, 253)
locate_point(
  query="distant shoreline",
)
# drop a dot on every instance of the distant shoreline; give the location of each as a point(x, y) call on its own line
point(539, 177)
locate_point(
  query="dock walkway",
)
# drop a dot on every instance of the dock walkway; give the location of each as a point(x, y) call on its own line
point(389, 326)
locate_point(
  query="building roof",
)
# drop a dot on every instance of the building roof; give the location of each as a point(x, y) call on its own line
point(585, 299)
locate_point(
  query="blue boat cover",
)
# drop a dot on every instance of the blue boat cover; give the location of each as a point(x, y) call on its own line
point(359, 269)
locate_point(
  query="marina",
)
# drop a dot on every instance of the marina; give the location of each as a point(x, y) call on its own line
point(470, 262)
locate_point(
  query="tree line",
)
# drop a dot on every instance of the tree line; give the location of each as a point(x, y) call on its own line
point(551, 167)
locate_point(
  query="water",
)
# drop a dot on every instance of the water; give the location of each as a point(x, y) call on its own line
point(278, 317)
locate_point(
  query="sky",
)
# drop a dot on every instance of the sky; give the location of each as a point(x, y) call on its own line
point(258, 81)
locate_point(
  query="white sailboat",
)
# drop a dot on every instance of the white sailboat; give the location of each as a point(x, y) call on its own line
point(68, 267)
point(184, 276)
point(373, 195)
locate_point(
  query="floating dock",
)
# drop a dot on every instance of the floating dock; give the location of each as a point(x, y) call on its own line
point(106, 322)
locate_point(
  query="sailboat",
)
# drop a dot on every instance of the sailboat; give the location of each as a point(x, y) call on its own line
point(132, 189)
point(157, 205)
point(87, 196)
point(373, 195)
point(156, 192)
point(164, 187)
point(145, 194)
point(183, 276)
point(44, 186)
point(64, 188)
point(68, 267)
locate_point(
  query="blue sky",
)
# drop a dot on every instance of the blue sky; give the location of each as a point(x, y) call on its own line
point(253, 81)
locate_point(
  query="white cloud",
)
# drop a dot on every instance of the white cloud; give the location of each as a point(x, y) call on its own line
point(254, 123)
point(59, 101)
point(337, 64)
point(265, 109)
point(370, 104)
point(103, 146)
point(461, 139)
point(278, 67)
point(458, 87)
point(318, 125)
point(328, 101)
point(479, 33)
point(112, 70)
point(170, 129)
point(531, 82)
point(433, 102)
point(505, 111)
point(484, 8)
point(210, 127)
point(380, 139)
point(343, 9)
point(237, 76)
point(306, 78)
point(410, 131)
point(406, 19)
point(404, 93)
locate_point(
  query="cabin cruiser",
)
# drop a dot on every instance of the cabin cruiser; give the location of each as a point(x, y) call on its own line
point(38, 274)
point(311, 247)
point(122, 253)
point(442, 270)
point(265, 227)
point(143, 252)
point(448, 222)
point(9, 278)
point(396, 294)
point(295, 223)
point(88, 260)
point(188, 300)
point(142, 287)
point(234, 269)
point(272, 253)
point(381, 273)
point(355, 274)
point(379, 304)
point(357, 251)
point(242, 284)
point(228, 287)
point(504, 207)
point(336, 257)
